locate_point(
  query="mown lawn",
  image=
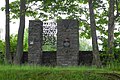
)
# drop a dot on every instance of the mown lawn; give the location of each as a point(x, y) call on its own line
point(56, 73)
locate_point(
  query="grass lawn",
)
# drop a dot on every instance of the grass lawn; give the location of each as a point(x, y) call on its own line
point(57, 73)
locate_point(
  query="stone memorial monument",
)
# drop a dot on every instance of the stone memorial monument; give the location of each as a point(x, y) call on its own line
point(35, 42)
point(67, 42)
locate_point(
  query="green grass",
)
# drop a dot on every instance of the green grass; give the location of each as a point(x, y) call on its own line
point(53, 73)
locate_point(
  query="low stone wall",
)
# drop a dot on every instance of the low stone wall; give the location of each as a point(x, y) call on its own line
point(49, 58)
point(85, 58)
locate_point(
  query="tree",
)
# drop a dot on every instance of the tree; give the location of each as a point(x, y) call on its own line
point(111, 29)
point(19, 52)
point(7, 34)
point(96, 57)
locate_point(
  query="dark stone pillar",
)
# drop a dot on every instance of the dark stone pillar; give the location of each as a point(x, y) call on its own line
point(35, 42)
point(67, 42)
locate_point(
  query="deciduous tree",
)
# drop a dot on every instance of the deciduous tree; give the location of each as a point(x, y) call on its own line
point(96, 58)
point(19, 52)
point(111, 27)
point(7, 34)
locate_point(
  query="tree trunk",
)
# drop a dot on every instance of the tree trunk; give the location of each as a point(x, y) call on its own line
point(96, 57)
point(111, 30)
point(7, 34)
point(19, 53)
